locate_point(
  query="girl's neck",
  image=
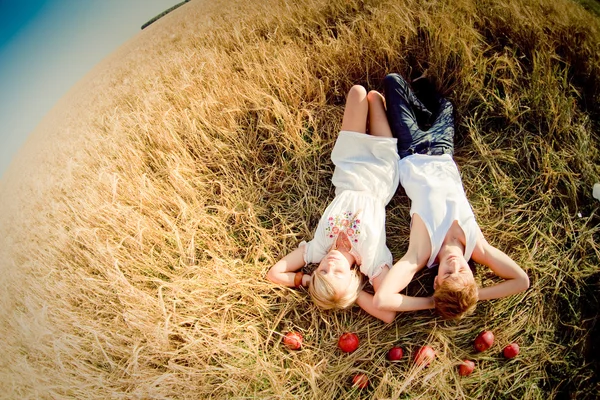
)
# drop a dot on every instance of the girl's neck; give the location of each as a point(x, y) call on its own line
point(342, 243)
point(349, 256)
point(344, 246)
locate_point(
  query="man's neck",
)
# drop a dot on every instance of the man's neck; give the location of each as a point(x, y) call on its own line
point(451, 245)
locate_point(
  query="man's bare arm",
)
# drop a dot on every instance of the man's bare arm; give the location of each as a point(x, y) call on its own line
point(515, 279)
point(388, 296)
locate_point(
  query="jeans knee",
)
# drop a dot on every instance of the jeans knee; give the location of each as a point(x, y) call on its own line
point(394, 82)
point(389, 82)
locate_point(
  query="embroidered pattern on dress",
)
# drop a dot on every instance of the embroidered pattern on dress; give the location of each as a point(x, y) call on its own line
point(347, 223)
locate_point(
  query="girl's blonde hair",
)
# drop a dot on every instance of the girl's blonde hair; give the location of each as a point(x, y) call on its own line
point(325, 297)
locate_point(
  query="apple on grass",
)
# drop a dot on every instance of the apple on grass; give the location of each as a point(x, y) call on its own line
point(293, 340)
point(360, 381)
point(424, 356)
point(484, 341)
point(511, 350)
point(466, 368)
point(348, 342)
point(395, 353)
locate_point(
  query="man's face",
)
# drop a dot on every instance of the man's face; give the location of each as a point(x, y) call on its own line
point(455, 267)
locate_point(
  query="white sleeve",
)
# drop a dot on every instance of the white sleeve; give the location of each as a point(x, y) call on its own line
point(384, 257)
point(315, 250)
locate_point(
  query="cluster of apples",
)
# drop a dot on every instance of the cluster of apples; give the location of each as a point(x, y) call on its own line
point(348, 342)
point(484, 341)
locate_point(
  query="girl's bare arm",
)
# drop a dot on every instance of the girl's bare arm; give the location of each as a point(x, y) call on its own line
point(284, 270)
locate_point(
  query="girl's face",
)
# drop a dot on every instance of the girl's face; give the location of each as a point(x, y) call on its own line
point(337, 270)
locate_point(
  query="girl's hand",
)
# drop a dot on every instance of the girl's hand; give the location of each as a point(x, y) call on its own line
point(306, 280)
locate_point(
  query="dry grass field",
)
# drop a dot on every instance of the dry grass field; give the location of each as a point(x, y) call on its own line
point(140, 219)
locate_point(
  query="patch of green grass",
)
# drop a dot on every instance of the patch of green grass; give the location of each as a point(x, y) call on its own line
point(591, 5)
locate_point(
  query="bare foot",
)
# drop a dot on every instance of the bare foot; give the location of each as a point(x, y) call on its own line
point(423, 76)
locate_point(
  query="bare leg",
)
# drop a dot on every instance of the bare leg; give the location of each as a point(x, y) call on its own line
point(356, 110)
point(378, 122)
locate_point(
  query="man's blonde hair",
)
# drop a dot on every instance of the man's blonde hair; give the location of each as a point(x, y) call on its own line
point(324, 295)
point(456, 297)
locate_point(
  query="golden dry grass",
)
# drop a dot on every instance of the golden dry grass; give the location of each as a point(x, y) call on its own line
point(138, 225)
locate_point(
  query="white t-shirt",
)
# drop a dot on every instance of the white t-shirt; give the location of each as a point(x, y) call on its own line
point(436, 192)
point(365, 179)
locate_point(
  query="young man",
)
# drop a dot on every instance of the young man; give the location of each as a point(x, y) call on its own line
point(443, 227)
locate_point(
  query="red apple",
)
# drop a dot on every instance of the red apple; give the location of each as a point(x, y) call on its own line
point(511, 350)
point(348, 342)
point(484, 341)
point(395, 353)
point(424, 355)
point(293, 340)
point(466, 367)
point(360, 381)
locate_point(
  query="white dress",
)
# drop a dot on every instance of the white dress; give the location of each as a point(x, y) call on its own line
point(365, 179)
point(436, 192)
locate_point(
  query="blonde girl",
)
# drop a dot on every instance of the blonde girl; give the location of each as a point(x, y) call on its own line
point(350, 242)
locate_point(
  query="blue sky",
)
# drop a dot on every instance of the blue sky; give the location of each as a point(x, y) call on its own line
point(46, 46)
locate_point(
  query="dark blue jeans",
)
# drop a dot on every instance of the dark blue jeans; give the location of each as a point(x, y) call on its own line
point(405, 111)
